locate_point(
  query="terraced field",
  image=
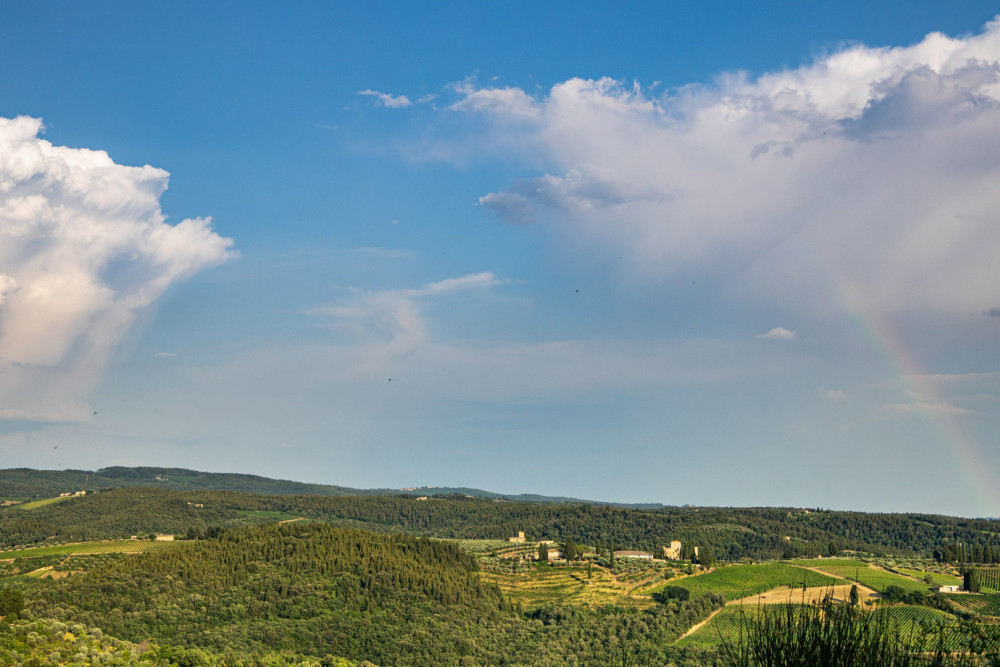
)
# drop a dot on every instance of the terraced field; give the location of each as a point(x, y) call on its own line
point(566, 585)
point(740, 581)
point(483, 547)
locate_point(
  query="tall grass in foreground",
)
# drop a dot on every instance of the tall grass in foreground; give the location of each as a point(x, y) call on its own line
point(836, 635)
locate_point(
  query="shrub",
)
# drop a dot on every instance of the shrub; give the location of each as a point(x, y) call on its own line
point(672, 593)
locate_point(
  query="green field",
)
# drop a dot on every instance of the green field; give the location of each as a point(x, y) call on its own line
point(983, 605)
point(483, 547)
point(938, 578)
point(41, 503)
point(908, 613)
point(114, 546)
point(740, 581)
point(913, 622)
point(20, 564)
point(825, 563)
point(268, 516)
point(916, 621)
point(989, 579)
point(727, 626)
point(864, 574)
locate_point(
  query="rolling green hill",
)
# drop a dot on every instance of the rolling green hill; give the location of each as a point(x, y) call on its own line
point(730, 533)
point(355, 577)
point(26, 483)
point(312, 591)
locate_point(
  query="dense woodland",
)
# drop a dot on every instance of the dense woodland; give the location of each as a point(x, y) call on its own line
point(319, 590)
point(730, 533)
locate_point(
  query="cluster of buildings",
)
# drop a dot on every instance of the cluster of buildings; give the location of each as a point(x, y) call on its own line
point(673, 552)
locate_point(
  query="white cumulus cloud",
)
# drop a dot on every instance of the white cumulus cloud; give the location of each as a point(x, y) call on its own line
point(83, 246)
point(387, 100)
point(871, 169)
point(510, 102)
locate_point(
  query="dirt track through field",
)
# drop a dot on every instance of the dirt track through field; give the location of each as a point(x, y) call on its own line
point(812, 595)
point(697, 626)
point(786, 594)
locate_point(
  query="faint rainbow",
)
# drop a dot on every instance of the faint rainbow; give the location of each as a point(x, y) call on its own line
point(924, 396)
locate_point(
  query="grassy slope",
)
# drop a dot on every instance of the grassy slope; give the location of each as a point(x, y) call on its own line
point(111, 546)
point(863, 573)
point(727, 625)
point(938, 578)
point(35, 504)
point(739, 581)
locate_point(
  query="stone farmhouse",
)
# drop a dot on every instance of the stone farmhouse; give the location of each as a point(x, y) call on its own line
point(673, 552)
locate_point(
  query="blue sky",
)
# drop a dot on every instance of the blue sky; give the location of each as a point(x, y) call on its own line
point(709, 253)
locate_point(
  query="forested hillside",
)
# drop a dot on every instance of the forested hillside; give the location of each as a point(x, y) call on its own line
point(731, 533)
point(346, 579)
point(29, 483)
point(318, 590)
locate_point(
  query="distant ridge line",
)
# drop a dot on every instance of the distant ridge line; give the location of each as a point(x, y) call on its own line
point(32, 483)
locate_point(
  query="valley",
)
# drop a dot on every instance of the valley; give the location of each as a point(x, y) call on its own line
point(139, 575)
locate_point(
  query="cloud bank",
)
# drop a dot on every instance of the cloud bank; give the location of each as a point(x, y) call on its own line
point(868, 173)
point(83, 247)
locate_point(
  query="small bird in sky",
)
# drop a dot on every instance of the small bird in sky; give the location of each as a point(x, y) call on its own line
point(390, 379)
